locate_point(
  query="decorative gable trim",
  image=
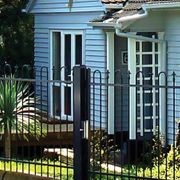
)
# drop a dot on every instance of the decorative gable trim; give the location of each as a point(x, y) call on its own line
point(29, 6)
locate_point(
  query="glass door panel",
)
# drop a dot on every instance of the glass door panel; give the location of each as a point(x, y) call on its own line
point(72, 57)
point(78, 55)
point(147, 102)
point(67, 58)
point(66, 52)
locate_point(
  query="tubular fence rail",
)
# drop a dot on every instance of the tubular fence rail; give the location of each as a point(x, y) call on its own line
point(79, 124)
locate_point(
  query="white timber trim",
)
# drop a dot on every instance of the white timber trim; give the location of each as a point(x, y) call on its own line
point(162, 91)
point(73, 34)
point(110, 68)
point(137, 37)
point(132, 90)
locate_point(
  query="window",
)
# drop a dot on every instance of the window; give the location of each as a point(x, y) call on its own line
point(66, 52)
point(146, 104)
point(147, 58)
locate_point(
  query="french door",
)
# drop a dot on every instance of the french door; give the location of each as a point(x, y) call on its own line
point(147, 63)
point(66, 52)
point(147, 105)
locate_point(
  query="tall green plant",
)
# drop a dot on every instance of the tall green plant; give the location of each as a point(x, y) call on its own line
point(18, 113)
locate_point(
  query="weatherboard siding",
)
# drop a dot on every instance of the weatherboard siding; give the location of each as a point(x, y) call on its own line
point(173, 65)
point(55, 6)
point(94, 50)
point(94, 39)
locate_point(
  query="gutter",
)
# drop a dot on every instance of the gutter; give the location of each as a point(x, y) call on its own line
point(101, 24)
point(119, 28)
point(161, 6)
point(130, 18)
point(137, 37)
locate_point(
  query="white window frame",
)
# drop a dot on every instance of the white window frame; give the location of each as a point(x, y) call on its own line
point(132, 91)
point(73, 33)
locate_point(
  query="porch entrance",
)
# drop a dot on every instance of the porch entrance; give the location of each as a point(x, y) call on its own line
point(144, 60)
point(147, 69)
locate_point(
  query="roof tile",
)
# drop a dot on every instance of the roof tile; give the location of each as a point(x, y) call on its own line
point(130, 7)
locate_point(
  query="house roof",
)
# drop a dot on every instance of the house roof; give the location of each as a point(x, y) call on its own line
point(113, 1)
point(133, 7)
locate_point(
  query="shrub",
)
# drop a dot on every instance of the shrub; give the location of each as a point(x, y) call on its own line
point(18, 112)
point(170, 166)
point(173, 157)
point(101, 146)
point(154, 151)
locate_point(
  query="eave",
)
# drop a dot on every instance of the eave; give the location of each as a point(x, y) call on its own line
point(124, 22)
point(102, 24)
point(113, 6)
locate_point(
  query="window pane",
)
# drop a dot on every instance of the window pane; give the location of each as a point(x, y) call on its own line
point(156, 47)
point(156, 58)
point(148, 124)
point(137, 46)
point(56, 101)
point(56, 50)
point(147, 71)
point(146, 59)
point(67, 56)
point(146, 47)
point(78, 49)
point(67, 102)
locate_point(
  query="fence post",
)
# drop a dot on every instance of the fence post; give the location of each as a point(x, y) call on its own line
point(81, 98)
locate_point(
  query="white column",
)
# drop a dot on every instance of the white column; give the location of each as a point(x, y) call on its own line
point(132, 90)
point(110, 68)
point(162, 91)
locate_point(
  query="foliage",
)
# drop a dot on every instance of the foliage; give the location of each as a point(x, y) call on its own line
point(173, 157)
point(16, 33)
point(101, 147)
point(165, 165)
point(178, 134)
point(157, 148)
point(169, 166)
point(18, 112)
point(154, 150)
point(17, 108)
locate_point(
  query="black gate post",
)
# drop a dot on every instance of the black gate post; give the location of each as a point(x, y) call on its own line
point(81, 113)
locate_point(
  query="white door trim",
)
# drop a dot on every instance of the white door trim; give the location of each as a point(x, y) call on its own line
point(73, 33)
point(132, 93)
point(110, 68)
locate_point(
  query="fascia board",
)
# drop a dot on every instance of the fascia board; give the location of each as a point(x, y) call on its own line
point(161, 6)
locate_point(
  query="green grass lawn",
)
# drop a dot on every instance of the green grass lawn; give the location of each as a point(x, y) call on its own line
point(55, 170)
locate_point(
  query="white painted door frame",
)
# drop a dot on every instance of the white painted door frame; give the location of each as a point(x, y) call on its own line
point(73, 34)
point(132, 91)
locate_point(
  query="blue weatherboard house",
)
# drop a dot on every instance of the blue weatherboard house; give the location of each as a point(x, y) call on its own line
point(124, 35)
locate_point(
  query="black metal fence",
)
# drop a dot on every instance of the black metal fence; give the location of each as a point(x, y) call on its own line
point(36, 138)
point(135, 126)
point(89, 127)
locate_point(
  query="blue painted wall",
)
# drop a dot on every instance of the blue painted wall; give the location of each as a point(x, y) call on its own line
point(54, 14)
point(50, 6)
